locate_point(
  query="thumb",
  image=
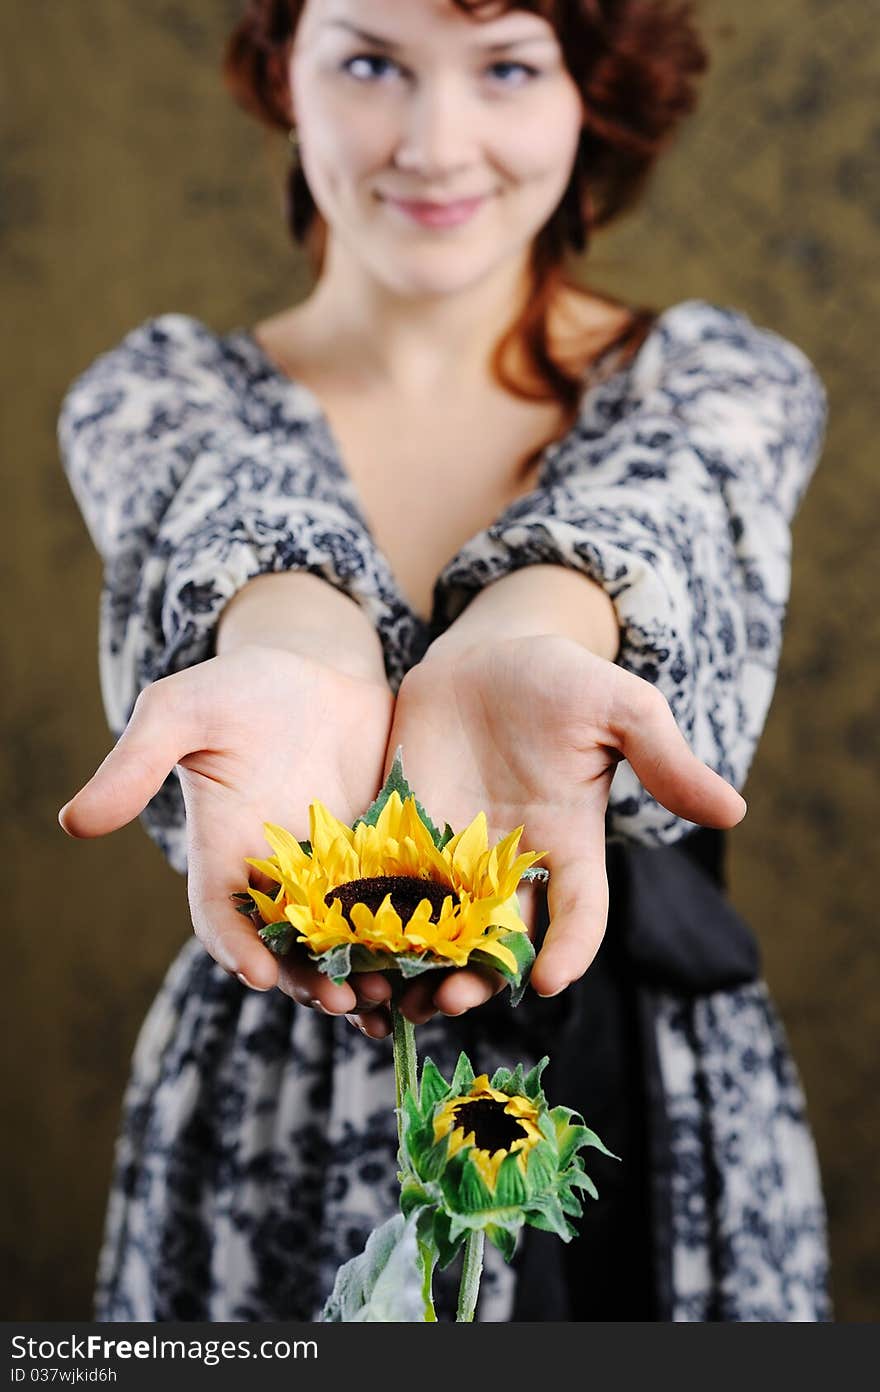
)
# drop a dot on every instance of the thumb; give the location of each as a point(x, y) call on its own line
point(667, 767)
point(132, 773)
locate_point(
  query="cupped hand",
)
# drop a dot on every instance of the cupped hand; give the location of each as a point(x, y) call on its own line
point(256, 735)
point(530, 731)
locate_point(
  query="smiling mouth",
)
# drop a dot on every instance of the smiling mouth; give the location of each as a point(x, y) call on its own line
point(435, 214)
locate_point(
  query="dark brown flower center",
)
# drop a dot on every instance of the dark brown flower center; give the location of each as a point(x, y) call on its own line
point(405, 891)
point(493, 1128)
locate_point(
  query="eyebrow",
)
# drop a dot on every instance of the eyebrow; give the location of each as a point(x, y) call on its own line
point(381, 42)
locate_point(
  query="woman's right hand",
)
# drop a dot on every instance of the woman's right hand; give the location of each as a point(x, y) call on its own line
point(256, 734)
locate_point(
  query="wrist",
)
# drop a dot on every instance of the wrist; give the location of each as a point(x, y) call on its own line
point(299, 612)
point(536, 601)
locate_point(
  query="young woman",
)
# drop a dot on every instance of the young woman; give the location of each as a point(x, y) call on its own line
point(540, 539)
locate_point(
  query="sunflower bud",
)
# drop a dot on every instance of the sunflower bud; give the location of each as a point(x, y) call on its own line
point(490, 1154)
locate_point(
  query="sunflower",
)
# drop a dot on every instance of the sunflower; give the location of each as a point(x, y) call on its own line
point(391, 892)
point(491, 1155)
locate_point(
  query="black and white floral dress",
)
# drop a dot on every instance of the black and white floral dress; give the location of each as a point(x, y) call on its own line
point(257, 1140)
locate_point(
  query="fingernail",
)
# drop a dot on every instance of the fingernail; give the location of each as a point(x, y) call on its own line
point(244, 981)
point(548, 995)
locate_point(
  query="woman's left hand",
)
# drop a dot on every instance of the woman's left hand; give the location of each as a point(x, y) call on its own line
point(530, 730)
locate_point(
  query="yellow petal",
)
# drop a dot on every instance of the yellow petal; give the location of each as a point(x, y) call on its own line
point(270, 911)
point(325, 828)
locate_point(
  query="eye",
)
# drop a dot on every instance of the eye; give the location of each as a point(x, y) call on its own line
point(362, 66)
point(522, 72)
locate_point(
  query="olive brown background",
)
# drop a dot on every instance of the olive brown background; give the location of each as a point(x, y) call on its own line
point(130, 185)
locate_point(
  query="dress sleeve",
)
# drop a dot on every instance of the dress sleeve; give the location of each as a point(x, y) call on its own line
point(185, 502)
point(678, 501)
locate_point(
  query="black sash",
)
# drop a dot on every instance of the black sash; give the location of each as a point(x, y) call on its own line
point(670, 927)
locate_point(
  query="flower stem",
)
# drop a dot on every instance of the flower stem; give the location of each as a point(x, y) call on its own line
point(470, 1277)
point(405, 1061)
point(403, 1039)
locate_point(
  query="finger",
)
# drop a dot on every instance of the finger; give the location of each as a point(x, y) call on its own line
point(577, 901)
point(664, 762)
point(375, 1025)
point(156, 737)
point(416, 1002)
point(308, 986)
point(465, 989)
point(371, 990)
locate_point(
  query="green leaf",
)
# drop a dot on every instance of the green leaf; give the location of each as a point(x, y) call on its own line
point(278, 937)
point(447, 836)
point(434, 1087)
point(502, 1238)
point(384, 1283)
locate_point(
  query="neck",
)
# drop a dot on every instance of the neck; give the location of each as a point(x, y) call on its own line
point(414, 343)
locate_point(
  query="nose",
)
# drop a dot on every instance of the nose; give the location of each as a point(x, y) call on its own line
point(437, 138)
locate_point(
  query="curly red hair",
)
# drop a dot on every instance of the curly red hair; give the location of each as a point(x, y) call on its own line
point(635, 63)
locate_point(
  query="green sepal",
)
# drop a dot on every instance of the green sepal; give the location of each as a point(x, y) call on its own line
point(248, 912)
point(469, 1194)
point(365, 959)
point(510, 1186)
point(536, 872)
point(396, 782)
point(413, 1131)
point(278, 937)
point(548, 1130)
point(503, 1238)
point(463, 1077)
point(532, 1088)
point(414, 966)
point(336, 963)
point(447, 1244)
point(546, 1213)
point(581, 1180)
point(434, 1087)
point(570, 1203)
point(542, 1168)
point(242, 896)
point(572, 1135)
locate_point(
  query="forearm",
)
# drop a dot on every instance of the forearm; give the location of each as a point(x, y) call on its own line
point(538, 599)
point(300, 612)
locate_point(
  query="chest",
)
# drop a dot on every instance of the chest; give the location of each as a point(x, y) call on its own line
point(427, 479)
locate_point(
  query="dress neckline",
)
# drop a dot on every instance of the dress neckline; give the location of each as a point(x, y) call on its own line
point(310, 408)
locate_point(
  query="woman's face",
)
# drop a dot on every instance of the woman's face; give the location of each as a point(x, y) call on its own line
point(436, 147)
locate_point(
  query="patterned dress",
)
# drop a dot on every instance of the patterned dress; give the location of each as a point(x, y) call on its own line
point(257, 1139)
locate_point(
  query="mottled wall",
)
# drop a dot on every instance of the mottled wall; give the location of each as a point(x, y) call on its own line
point(129, 186)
